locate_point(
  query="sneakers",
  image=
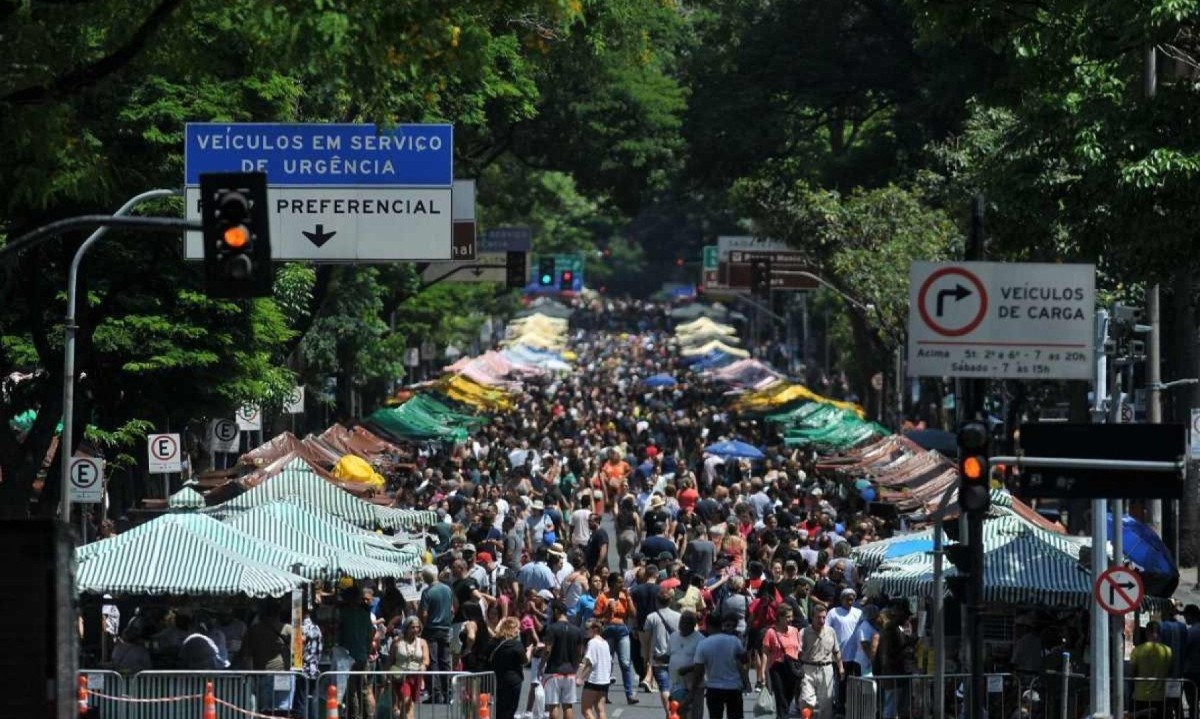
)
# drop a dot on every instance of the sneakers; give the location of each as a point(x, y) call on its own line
point(634, 700)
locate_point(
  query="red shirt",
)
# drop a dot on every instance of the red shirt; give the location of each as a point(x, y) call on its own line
point(687, 499)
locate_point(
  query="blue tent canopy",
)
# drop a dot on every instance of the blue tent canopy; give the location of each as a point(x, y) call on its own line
point(735, 448)
point(660, 380)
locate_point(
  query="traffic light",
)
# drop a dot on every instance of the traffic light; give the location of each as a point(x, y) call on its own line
point(237, 234)
point(760, 277)
point(546, 271)
point(974, 491)
point(566, 280)
point(515, 270)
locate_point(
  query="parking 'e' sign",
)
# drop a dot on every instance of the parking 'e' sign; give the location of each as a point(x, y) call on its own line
point(165, 453)
point(1001, 320)
point(87, 480)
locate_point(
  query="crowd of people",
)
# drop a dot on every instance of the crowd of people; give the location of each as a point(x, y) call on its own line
point(626, 555)
point(587, 541)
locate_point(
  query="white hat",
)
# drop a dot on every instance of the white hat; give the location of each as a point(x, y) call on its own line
point(538, 504)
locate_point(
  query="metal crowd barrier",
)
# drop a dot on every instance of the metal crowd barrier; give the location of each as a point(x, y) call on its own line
point(459, 692)
point(913, 696)
point(179, 694)
point(1067, 696)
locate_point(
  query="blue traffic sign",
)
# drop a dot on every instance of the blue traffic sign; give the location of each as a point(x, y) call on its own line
point(323, 155)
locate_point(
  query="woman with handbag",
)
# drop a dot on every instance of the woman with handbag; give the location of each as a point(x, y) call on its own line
point(781, 644)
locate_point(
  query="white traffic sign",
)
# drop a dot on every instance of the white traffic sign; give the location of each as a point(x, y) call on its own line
point(165, 453)
point(1119, 590)
point(486, 267)
point(1001, 320)
point(337, 192)
point(729, 243)
point(223, 435)
point(87, 480)
point(1194, 443)
point(249, 418)
point(295, 401)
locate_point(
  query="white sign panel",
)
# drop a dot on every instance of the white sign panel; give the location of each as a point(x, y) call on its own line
point(165, 453)
point(1119, 590)
point(1001, 320)
point(87, 480)
point(1194, 444)
point(223, 435)
point(727, 243)
point(494, 272)
point(295, 401)
point(249, 418)
point(349, 224)
point(462, 207)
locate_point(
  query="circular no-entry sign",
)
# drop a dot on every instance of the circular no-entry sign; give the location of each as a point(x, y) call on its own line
point(952, 301)
point(1119, 590)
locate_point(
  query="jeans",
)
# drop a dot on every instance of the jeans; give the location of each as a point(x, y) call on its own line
point(617, 636)
point(439, 661)
point(724, 701)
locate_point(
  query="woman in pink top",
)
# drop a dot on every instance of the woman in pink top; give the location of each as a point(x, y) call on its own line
point(782, 646)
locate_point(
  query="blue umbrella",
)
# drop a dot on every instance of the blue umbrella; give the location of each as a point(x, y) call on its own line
point(1144, 548)
point(659, 380)
point(908, 546)
point(735, 448)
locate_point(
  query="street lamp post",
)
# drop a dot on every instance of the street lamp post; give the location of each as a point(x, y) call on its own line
point(69, 328)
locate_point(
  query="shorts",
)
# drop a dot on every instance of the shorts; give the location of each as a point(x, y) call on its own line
point(595, 687)
point(662, 677)
point(409, 687)
point(560, 689)
point(754, 640)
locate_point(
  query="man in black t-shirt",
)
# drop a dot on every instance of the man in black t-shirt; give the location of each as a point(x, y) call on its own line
point(596, 551)
point(564, 650)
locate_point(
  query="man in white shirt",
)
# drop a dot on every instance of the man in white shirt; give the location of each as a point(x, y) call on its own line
point(580, 531)
point(682, 644)
point(844, 620)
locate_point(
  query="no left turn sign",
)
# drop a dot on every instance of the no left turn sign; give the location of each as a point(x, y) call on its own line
point(1119, 590)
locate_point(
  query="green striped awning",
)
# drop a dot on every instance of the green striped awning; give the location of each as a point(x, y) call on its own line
point(208, 529)
point(298, 479)
point(1022, 564)
point(170, 560)
point(186, 498)
point(300, 528)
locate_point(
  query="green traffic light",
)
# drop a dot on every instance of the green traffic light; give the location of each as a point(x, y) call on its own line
point(547, 279)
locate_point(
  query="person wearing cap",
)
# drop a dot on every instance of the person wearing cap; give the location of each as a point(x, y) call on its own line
point(821, 661)
point(657, 542)
point(538, 524)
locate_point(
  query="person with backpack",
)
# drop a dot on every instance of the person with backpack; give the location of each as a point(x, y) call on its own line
point(660, 625)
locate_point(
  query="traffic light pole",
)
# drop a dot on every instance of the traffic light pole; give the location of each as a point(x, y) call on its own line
point(69, 328)
point(974, 409)
point(1098, 618)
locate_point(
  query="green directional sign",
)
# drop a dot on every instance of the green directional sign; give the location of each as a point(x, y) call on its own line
point(711, 258)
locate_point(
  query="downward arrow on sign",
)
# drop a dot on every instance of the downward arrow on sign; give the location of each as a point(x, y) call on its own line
point(319, 236)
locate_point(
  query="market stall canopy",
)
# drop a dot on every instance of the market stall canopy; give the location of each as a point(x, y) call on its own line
point(186, 498)
point(701, 325)
point(1025, 565)
point(170, 560)
point(937, 439)
point(714, 346)
point(734, 448)
point(297, 479)
point(292, 524)
point(660, 380)
point(422, 418)
point(206, 528)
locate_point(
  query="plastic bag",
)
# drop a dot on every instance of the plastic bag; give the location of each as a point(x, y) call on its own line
point(539, 701)
point(764, 705)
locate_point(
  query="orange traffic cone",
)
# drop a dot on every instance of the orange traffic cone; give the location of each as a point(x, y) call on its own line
point(485, 705)
point(331, 702)
point(210, 702)
point(83, 695)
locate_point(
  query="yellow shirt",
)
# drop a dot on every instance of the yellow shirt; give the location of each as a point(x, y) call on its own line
point(1150, 660)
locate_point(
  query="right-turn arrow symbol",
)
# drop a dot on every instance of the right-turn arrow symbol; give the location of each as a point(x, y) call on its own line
point(959, 292)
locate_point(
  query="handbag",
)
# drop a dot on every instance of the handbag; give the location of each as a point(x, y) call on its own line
point(764, 705)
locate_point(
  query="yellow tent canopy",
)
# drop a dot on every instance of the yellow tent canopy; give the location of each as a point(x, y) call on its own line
point(783, 393)
point(711, 346)
point(356, 469)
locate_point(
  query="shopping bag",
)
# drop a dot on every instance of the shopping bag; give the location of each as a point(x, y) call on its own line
point(765, 704)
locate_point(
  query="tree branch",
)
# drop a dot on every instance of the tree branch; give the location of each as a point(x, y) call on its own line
point(90, 74)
